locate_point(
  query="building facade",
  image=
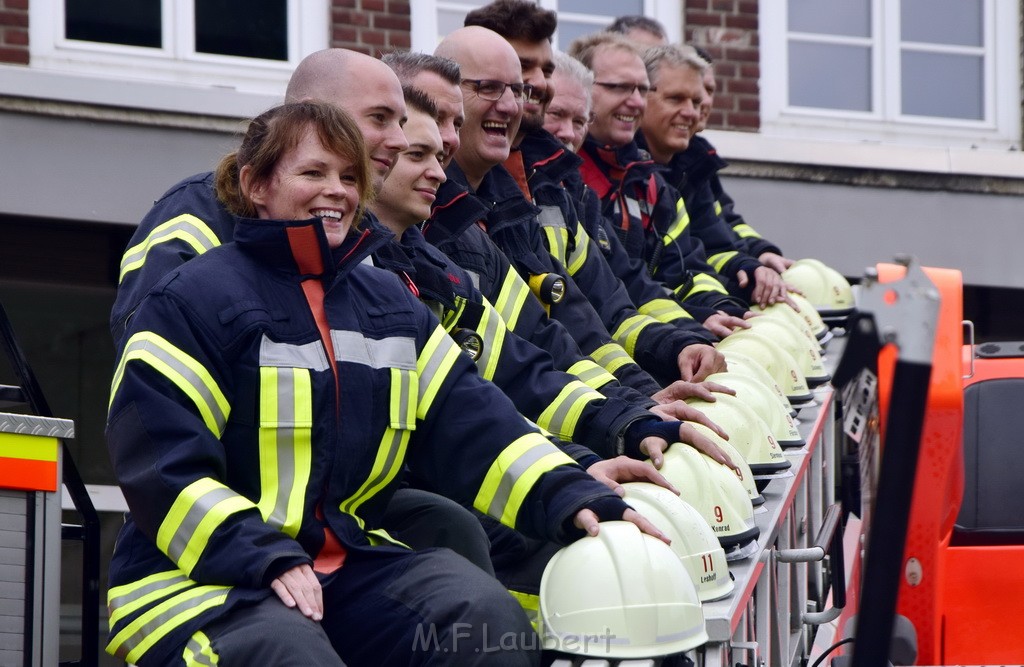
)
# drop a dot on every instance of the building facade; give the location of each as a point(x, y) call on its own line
point(856, 130)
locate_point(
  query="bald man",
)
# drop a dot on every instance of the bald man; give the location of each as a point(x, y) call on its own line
point(188, 220)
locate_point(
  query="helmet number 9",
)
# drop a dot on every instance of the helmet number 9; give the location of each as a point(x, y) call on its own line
point(718, 514)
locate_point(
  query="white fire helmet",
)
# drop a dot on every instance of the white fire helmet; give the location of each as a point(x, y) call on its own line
point(824, 287)
point(780, 364)
point(621, 594)
point(692, 538)
point(804, 351)
point(765, 403)
point(715, 491)
point(747, 432)
point(741, 364)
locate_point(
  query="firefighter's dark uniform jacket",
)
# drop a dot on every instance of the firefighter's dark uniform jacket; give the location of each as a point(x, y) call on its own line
point(552, 174)
point(556, 401)
point(190, 210)
point(455, 227)
point(653, 224)
point(690, 172)
point(249, 422)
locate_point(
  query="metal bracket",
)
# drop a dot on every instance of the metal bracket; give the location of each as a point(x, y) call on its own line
point(905, 311)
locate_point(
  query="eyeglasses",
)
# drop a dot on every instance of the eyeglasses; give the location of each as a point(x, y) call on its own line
point(625, 89)
point(492, 90)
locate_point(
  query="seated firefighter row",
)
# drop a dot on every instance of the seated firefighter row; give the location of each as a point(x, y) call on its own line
point(372, 351)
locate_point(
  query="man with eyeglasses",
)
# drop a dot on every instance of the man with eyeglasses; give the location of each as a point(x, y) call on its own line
point(648, 214)
point(548, 177)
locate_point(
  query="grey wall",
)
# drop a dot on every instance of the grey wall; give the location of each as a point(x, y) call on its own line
point(96, 170)
point(852, 227)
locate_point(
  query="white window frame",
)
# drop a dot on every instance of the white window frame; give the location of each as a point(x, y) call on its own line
point(423, 18)
point(176, 62)
point(885, 123)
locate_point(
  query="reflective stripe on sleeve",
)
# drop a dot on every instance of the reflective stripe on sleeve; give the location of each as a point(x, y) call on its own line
point(745, 231)
point(611, 357)
point(679, 225)
point(286, 448)
point(629, 330)
point(514, 292)
point(199, 509)
point(562, 416)
point(591, 374)
point(720, 259)
point(513, 474)
point(184, 371)
point(187, 228)
point(702, 282)
point(665, 310)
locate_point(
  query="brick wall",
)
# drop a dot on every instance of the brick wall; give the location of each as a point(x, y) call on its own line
point(369, 26)
point(14, 32)
point(728, 30)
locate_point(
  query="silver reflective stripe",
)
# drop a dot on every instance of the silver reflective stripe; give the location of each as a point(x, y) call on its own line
point(287, 355)
point(393, 352)
point(511, 475)
point(198, 651)
point(551, 216)
point(194, 517)
point(164, 618)
point(558, 422)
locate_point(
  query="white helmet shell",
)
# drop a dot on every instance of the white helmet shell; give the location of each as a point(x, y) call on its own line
point(621, 594)
point(765, 403)
point(692, 538)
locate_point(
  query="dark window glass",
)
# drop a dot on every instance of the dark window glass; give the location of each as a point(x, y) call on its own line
point(129, 22)
point(253, 29)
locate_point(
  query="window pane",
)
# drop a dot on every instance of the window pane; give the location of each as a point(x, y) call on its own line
point(942, 21)
point(943, 85)
point(829, 76)
point(831, 17)
point(254, 29)
point(609, 8)
point(130, 22)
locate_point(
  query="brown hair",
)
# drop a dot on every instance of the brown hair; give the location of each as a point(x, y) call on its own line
point(276, 131)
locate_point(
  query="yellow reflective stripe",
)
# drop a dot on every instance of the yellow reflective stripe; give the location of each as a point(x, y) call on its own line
point(513, 294)
point(434, 364)
point(720, 259)
point(718, 207)
point(186, 227)
point(611, 357)
point(140, 635)
point(627, 333)
point(286, 447)
point(745, 231)
point(492, 332)
point(390, 456)
point(575, 261)
point(591, 374)
point(199, 652)
point(557, 242)
point(665, 310)
point(199, 509)
point(513, 474)
point(530, 604)
point(184, 371)
point(562, 416)
point(679, 225)
point(127, 598)
point(704, 283)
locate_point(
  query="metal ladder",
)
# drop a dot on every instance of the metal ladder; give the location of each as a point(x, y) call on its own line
point(28, 394)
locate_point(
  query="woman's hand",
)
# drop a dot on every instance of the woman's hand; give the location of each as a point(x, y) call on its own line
point(299, 587)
